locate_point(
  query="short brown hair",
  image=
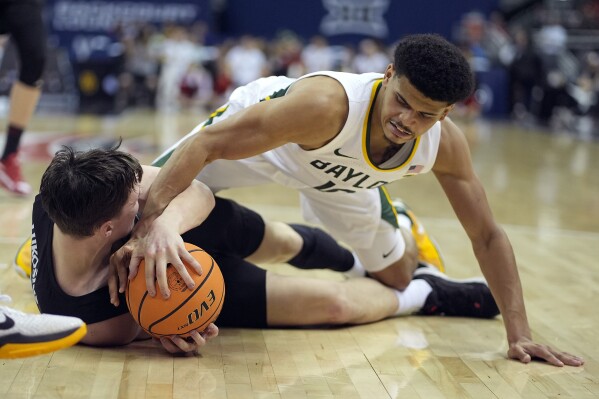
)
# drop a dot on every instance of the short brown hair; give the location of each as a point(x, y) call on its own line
point(82, 190)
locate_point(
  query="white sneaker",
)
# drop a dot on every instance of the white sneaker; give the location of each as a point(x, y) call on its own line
point(23, 334)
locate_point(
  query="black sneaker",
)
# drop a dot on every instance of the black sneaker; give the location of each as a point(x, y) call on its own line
point(461, 298)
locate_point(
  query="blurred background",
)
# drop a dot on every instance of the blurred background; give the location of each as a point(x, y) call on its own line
point(536, 61)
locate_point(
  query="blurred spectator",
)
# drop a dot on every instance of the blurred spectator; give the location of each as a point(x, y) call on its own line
point(472, 33)
point(552, 37)
point(286, 56)
point(526, 73)
point(223, 84)
point(344, 58)
point(551, 41)
point(177, 54)
point(370, 58)
point(318, 55)
point(140, 79)
point(196, 88)
point(583, 111)
point(246, 62)
point(498, 41)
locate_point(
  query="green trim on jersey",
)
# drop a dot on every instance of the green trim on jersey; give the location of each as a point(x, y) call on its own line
point(162, 159)
point(215, 114)
point(276, 94)
point(165, 157)
point(388, 211)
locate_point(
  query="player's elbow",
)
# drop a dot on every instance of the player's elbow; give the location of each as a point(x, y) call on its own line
point(107, 338)
point(117, 331)
point(487, 238)
point(205, 194)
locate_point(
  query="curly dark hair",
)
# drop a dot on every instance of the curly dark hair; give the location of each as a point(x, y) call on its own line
point(437, 68)
point(82, 190)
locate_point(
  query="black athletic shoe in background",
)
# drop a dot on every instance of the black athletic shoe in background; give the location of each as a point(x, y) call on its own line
point(460, 298)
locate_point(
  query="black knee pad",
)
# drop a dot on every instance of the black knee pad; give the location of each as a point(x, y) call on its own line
point(320, 251)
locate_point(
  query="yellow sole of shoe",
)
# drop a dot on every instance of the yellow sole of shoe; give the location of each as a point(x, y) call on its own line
point(22, 262)
point(15, 351)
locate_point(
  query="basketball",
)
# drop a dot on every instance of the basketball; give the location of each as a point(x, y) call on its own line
point(186, 310)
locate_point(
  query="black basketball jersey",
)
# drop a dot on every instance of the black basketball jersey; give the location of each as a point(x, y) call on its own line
point(50, 298)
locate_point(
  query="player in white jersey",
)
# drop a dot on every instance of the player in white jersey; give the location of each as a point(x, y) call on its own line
point(324, 176)
point(307, 139)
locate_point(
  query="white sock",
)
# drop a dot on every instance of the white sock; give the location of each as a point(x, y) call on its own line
point(412, 299)
point(357, 269)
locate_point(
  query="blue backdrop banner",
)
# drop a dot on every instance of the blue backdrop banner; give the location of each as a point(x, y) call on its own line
point(88, 29)
point(348, 20)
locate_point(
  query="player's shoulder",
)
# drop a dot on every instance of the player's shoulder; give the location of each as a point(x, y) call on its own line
point(319, 86)
point(453, 147)
point(321, 92)
point(451, 133)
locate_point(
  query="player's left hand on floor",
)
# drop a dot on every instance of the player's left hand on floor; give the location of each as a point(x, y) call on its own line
point(525, 350)
point(190, 345)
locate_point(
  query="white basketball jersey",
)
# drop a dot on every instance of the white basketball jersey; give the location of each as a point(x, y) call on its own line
point(342, 165)
point(337, 181)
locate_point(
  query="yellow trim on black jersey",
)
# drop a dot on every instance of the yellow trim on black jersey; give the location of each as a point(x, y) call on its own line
point(366, 132)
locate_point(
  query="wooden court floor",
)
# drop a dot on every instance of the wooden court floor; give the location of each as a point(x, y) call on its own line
point(544, 190)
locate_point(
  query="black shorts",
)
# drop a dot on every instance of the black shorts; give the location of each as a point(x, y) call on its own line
point(16, 15)
point(230, 233)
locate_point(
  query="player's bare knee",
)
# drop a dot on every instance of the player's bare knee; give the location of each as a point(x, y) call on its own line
point(337, 306)
point(283, 242)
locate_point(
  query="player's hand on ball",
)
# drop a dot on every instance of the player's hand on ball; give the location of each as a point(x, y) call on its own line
point(526, 350)
point(192, 344)
point(123, 265)
point(160, 247)
point(118, 271)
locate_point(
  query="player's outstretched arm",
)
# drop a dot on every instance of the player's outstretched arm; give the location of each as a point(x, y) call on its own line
point(453, 169)
point(311, 114)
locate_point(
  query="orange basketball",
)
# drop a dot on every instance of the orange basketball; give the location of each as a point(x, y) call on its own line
point(186, 309)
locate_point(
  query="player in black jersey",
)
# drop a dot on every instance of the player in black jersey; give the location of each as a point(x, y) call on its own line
point(87, 207)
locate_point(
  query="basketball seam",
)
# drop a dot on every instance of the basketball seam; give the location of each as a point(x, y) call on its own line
point(185, 301)
point(219, 306)
point(141, 303)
